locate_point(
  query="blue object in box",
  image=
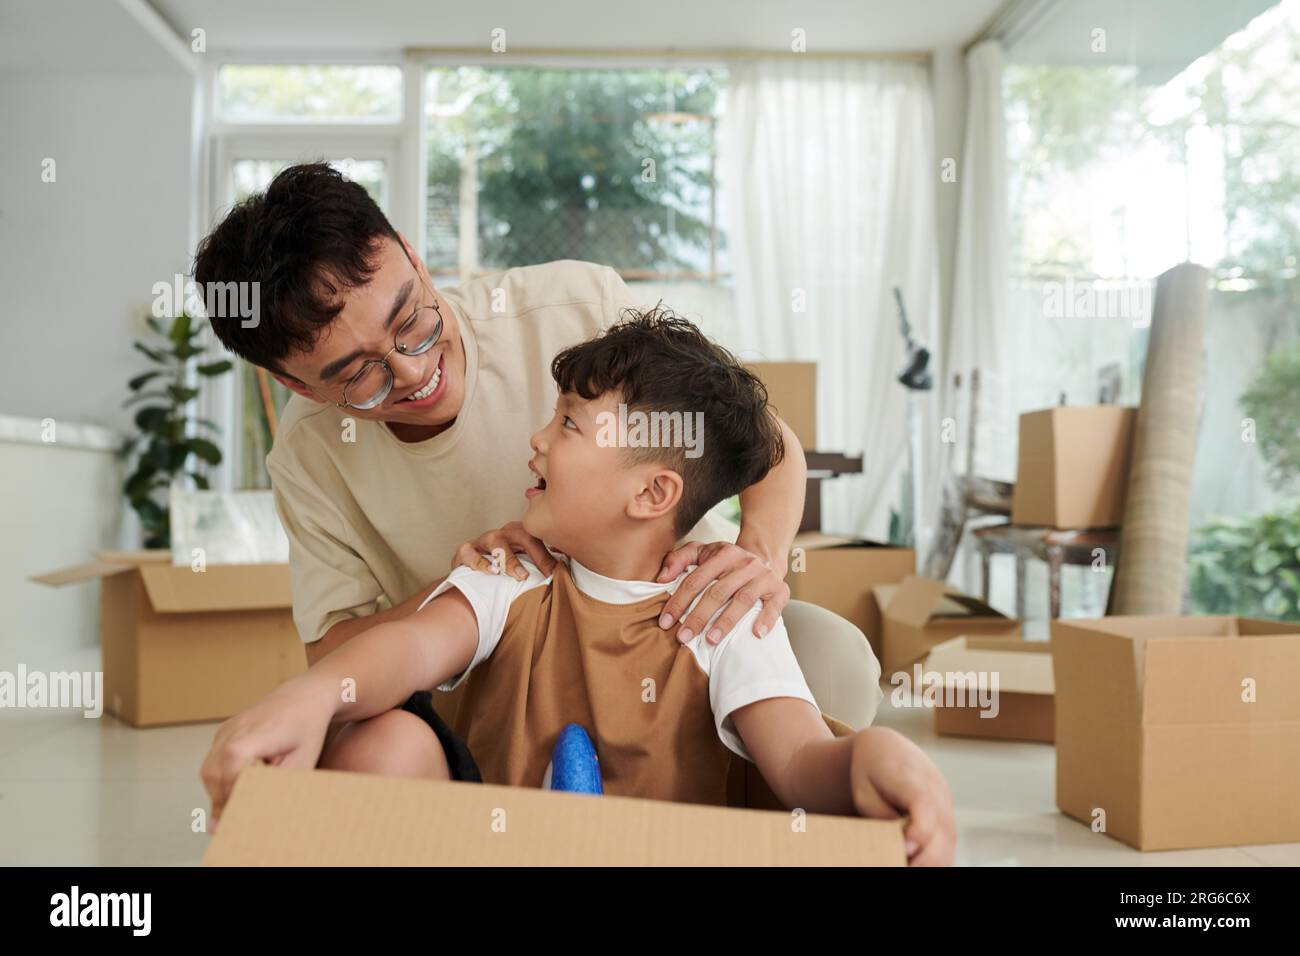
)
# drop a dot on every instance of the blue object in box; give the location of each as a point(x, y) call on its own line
point(574, 768)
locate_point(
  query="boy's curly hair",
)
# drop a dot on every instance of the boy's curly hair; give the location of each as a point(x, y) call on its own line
point(659, 362)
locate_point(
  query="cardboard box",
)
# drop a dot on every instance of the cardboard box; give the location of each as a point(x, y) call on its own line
point(182, 646)
point(792, 391)
point(1185, 731)
point(839, 574)
point(1073, 467)
point(1019, 673)
point(922, 613)
point(278, 817)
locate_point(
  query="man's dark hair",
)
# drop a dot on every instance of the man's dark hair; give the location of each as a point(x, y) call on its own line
point(659, 362)
point(312, 234)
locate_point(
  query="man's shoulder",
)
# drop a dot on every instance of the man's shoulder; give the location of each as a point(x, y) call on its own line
point(298, 429)
point(525, 289)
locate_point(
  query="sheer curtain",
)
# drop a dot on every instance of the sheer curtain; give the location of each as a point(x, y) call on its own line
point(829, 178)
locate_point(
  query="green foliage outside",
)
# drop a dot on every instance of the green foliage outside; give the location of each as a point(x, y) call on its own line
point(612, 166)
point(1248, 566)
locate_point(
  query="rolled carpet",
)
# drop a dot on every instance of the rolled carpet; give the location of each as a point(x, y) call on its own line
point(1152, 563)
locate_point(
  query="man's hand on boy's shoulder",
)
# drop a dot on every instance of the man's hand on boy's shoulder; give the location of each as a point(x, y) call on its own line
point(740, 580)
point(891, 776)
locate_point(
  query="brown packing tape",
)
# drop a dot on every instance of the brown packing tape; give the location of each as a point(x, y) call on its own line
point(279, 817)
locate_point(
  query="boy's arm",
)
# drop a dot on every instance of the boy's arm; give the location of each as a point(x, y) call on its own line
point(385, 665)
point(875, 772)
point(802, 761)
point(389, 662)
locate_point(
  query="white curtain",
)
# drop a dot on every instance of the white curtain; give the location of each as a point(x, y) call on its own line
point(976, 330)
point(977, 325)
point(829, 178)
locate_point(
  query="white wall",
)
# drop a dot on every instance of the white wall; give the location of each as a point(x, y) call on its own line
point(78, 256)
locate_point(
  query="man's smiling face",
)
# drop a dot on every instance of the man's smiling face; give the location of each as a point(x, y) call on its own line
point(364, 331)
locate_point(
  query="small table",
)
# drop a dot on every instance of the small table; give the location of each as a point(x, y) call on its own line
point(1054, 547)
point(822, 465)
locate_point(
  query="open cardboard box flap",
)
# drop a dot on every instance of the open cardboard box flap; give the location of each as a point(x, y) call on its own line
point(919, 602)
point(171, 589)
point(279, 817)
point(1023, 667)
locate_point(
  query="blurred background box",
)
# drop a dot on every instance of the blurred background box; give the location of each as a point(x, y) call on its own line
point(1073, 466)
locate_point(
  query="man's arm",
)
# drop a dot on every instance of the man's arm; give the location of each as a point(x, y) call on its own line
point(770, 511)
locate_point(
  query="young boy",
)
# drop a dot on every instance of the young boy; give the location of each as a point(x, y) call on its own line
point(654, 425)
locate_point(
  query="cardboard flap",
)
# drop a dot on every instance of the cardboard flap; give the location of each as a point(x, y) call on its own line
point(106, 563)
point(915, 600)
point(133, 558)
point(281, 817)
point(956, 603)
point(1097, 674)
point(224, 587)
point(79, 572)
point(1023, 667)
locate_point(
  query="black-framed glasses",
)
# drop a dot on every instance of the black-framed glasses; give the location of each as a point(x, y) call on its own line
point(415, 336)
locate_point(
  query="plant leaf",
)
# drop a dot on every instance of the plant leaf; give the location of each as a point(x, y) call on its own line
point(205, 450)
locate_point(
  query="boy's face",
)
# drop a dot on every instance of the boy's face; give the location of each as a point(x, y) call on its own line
point(586, 491)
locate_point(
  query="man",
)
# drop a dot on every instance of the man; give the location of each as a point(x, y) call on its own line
point(390, 465)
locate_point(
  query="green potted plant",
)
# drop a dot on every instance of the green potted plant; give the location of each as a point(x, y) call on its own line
point(1251, 566)
point(166, 440)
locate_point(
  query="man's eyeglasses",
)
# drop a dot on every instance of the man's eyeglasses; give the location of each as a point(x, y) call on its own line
point(371, 385)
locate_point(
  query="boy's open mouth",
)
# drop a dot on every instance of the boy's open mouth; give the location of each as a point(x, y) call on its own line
point(538, 488)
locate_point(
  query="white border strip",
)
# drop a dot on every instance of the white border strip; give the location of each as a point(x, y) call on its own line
point(78, 435)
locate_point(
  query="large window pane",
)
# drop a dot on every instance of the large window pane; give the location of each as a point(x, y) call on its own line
point(528, 165)
point(316, 93)
point(1118, 173)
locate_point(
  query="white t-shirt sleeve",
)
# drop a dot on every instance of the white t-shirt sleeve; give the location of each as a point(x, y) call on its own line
point(490, 595)
point(744, 669)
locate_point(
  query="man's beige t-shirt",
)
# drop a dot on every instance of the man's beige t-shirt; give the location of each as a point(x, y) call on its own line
point(371, 519)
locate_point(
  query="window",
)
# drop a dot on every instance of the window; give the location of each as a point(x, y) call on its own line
point(529, 165)
point(316, 93)
point(1118, 173)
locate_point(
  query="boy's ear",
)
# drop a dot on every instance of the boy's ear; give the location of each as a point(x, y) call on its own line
point(660, 494)
point(297, 387)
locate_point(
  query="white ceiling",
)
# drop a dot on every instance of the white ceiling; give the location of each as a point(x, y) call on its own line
point(287, 25)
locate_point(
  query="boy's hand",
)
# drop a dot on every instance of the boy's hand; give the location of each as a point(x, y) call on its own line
point(740, 578)
point(891, 776)
point(494, 552)
point(286, 728)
